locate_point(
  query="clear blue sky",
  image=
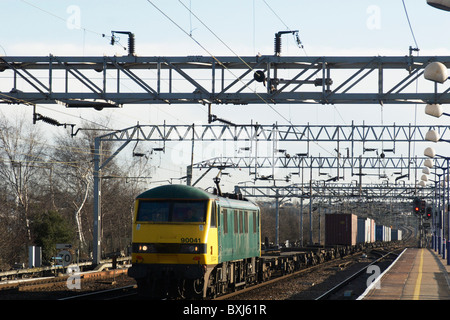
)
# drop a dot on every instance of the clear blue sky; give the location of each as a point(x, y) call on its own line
point(326, 27)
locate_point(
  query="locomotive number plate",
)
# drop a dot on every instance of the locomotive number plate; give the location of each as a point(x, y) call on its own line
point(190, 240)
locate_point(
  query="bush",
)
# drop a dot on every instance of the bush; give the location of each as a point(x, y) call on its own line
point(50, 228)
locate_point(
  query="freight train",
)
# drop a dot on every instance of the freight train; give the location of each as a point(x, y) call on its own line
point(193, 244)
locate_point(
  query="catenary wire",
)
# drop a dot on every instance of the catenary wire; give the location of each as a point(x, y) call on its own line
point(215, 35)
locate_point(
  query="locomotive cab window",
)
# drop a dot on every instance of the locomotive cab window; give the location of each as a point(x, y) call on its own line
point(172, 211)
point(153, 211)
point(241, 224)
point(246, 221)
point(225, 221)
point(255, 221)
point(213, 219)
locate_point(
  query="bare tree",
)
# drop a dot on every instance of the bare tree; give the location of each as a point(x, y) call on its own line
point(22, 157)
point(74, 174)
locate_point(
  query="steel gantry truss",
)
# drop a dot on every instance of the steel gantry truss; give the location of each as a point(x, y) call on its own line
point(287, 133)
point(351, 135)
point(358, 165)
point(337, 191)
point(113, 81)
point(309, 134)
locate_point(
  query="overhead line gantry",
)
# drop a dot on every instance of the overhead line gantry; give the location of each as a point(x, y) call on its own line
point(112, 81)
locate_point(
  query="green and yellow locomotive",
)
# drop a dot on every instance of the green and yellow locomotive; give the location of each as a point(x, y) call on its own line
point(193, 244)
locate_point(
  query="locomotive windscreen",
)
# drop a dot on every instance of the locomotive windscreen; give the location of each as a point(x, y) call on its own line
point(172, 211)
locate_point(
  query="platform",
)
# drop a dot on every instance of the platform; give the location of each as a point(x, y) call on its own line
point(417, 274)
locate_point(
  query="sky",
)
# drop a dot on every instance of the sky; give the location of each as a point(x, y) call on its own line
point(326, 28)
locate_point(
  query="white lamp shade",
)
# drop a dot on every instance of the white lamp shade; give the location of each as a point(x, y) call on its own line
point(440, 4)
point(426, 170)
point(434, 110)
point(429, 152)
point(428, 163)
point(432, 135)
point(422, 183)
point(436, 71)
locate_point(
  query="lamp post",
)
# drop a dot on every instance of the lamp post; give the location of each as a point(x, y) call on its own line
point(430, 152)
point(437, 219)
point(437, 73)
point(422, 207)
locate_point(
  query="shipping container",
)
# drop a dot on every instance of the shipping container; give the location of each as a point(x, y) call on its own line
point(396, 235)
point(380, 232)
point(341, 229)
point(372, 230)
point(363, 235)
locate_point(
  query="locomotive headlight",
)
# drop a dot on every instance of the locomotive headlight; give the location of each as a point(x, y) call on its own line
point(193, 248)
point(144, 248)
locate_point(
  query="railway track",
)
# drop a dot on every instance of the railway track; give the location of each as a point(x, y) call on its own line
point(347, 287)
point(351, 286)
point(334, 279)
point(121, 293)
point(321, 265)
point(242, 292)
point(53, 288)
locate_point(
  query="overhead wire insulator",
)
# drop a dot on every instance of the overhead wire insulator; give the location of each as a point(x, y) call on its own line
point(51, 121)
point(48, 120)
point(277, 46)
point(278, 40)
point(131, 44)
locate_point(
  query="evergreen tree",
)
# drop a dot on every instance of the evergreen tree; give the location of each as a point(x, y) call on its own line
point(50, 228)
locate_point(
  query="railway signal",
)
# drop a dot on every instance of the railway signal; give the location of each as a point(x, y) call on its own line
point(429, 212)
point(423, 206)
point(419, 206)
point(416, 205)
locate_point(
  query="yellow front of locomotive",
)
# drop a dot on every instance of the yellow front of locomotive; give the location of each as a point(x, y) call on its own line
point(174, 231)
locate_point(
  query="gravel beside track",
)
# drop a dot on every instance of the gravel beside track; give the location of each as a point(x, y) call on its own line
point(59, 290)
